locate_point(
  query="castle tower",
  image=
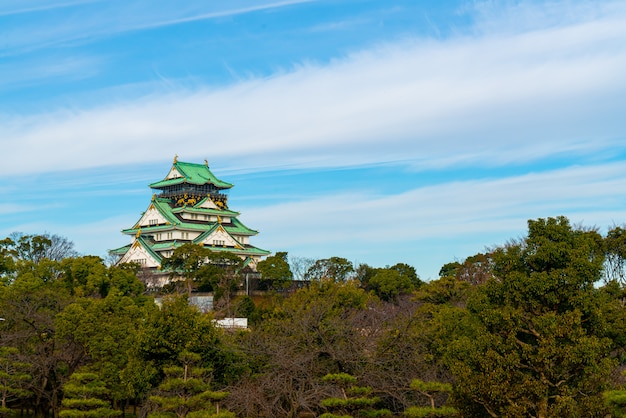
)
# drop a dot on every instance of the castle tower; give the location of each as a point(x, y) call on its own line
point(190, 205)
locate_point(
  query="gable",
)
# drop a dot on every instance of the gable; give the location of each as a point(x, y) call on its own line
point(151, 217)
point(173, 174)
point(206, 203)
point(140, 255)
point(220, 238)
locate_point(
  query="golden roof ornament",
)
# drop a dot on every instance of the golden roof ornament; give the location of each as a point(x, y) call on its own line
point(138, 234)
point(206, 162)
point(175, 158)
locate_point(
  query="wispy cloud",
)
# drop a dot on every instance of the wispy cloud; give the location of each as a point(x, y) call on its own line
point(16, 7)
point(98, 19)
point(460, 217)
point(488, 100)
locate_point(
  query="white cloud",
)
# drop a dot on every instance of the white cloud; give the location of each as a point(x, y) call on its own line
point(90, 20)
point(428, 226)
point(457, 209)
point(487, 100)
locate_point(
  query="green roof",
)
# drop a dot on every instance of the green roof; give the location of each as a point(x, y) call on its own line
point(163, 207)
point(248, 249)
point(193, 174)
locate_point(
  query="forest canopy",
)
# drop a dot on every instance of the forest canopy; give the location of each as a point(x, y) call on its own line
point(533, 328)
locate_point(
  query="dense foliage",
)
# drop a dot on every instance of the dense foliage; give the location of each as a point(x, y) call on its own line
point(535, 328)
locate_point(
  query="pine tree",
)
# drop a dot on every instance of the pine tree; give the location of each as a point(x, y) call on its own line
point(13, 376)
point(186, 392)
point(354, 400)
point(85, 397)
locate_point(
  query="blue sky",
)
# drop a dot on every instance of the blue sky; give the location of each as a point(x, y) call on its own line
point(381, 131)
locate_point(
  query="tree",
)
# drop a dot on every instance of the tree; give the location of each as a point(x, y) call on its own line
point(301, 339)
point(7, 264)
point(388, 284)
point(431, 390)
point(177, 327)
point(334, 268)
point(534, 341)
point(449, 269)
point(29, 306)
point(219, 271)
point(85, 396)
point(353, 399)
point(408, 271)
point(44, 246)
point(186, 392)
point(299, 266)
point(275, 270)
point(224, 272)
point(13, 378)
point(186, 261)
point(616, 255)
point(475, 269)
point(106, 329)
point(85, 276)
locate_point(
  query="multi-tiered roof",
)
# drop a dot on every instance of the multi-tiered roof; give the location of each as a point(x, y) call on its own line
point(191, 206)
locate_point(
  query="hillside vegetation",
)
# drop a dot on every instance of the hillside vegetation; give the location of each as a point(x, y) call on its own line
point(534, 328)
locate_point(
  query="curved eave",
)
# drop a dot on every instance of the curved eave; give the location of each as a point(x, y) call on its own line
point(200, 174)
point(247, 250)
point(147, 229)
point(121, 250)
point(238, 226)
point(180, 180)
point(240, 251)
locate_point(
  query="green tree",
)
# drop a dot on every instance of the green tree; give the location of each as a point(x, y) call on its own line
point(107, 330)
point(534, 342)
point(186, 261)
point(7, 263)
point(219, 271)
point(449, 269)
point(86, 276)
point(177, 327)
point(615, 241)
point(352, 401)
point(29, 306)
point(338, 269)
point(388, 284)
point(408, 271)
point(85, 396)
point(186, 392)
point(14, 378)
point(224, 271)
point(42, 246)
point(275, 271)
point(430, 390)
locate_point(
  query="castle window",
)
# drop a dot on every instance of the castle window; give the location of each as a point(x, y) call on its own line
point(153, 222)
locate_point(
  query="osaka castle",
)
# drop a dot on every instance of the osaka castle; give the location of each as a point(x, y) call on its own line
point(190, 205)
